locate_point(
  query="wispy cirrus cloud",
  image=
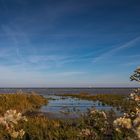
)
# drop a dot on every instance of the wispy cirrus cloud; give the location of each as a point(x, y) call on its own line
point(129, 44)
point(13, 39)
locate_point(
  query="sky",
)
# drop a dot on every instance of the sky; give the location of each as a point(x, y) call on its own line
point(69, 43)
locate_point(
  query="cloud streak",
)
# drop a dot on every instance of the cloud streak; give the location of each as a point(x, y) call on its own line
point(110, 53)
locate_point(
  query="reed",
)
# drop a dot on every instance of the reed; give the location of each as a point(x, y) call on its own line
point(119, 101)
point(21, 102)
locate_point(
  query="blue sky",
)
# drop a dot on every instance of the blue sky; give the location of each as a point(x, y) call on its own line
point(69, 43)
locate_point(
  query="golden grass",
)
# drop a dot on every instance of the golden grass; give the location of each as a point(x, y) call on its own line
point(119, 101)
point(21, 102)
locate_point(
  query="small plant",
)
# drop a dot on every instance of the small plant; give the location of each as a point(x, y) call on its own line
point(128, 126)
point(10, 121)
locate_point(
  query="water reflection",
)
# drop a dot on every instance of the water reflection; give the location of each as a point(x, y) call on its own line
point(63, 107)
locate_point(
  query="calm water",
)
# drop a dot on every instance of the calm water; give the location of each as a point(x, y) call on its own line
point(62, 107)
point(45, 91)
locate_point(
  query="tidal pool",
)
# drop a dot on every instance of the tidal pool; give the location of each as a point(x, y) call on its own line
point(68, 107)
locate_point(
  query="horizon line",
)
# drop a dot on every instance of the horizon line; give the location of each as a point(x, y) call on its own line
point(69, 87)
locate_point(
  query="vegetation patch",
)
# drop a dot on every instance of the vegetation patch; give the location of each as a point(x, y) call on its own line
point(21, 102)
point(119, 101)
point(92, 125)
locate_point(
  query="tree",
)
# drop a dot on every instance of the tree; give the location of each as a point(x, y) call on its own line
point(136, 75)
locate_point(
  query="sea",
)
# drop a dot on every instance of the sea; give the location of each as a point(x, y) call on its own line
point(50, 91)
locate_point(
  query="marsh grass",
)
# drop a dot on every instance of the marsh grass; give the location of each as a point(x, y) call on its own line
point(21, 102)
point(119, 101)
point(40, 127)
point(93, 125)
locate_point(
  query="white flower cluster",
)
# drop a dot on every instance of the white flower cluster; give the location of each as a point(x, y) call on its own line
point(135, 97)
point(88, 133)
point(123, 122)
point(129, 124)
point(130, 121)
point(85, 132)
point(10, 120)
point(95, 112)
